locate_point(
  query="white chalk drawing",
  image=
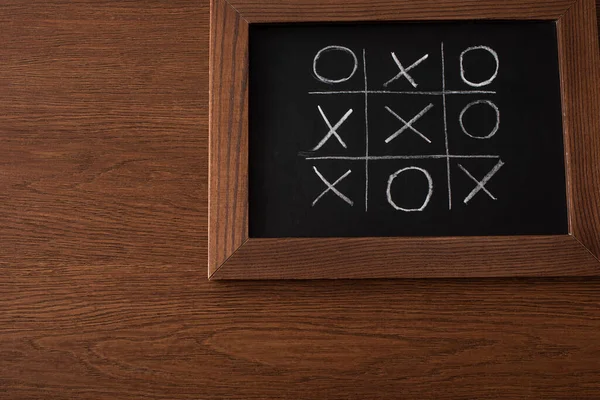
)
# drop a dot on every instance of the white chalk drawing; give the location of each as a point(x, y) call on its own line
point(415, 157)
point(364, 54)
point(409, 124)
point(402, 92)
point(331, 187)
point(446, 143)
point(481, 184)
point(487, 81)
point(334, 48)
point(496, 126)
point(404, 71)
point(332, 129)
point(429, 191)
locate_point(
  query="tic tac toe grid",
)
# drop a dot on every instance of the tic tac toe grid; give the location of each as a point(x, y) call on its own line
point(407, 124)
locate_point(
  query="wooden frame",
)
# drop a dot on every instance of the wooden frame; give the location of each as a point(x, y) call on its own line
point(233, 255)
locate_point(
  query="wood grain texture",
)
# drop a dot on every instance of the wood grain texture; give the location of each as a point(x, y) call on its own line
point(448, 257)
point(103, 233)
point(580, 82)
point(102, 107)
point(228, 135)
point(386, 10)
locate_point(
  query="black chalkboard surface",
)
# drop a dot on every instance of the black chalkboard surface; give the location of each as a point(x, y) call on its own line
point(405, 129)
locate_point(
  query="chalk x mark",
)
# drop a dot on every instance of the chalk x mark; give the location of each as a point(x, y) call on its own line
point(404, 71)
point(481, 184)
point(408, 125)
point(331, 187)
point(332, 129)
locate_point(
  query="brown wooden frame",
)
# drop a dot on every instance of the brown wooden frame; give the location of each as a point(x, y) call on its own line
point(233, 255)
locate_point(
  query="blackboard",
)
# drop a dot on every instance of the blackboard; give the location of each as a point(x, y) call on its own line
point(405, 129)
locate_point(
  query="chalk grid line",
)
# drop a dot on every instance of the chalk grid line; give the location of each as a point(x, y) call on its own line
point(367, 157)
point(407, 157)
point(413, 92)
point(446, 129)
point(366, 132)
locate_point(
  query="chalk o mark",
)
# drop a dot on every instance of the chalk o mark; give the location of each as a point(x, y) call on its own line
point(331, 186)
point(334, 48)
point(489, 103)
point(462, 70)
point(389, 188)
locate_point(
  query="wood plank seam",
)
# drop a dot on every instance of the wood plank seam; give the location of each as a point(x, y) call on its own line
point(587, 249)
point(236, 10)
point(213, 275)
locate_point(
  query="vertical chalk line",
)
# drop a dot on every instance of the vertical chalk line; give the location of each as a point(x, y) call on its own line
point(366, 132)
point(446, 129)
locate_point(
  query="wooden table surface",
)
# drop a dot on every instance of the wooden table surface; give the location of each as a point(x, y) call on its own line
point(103, 240)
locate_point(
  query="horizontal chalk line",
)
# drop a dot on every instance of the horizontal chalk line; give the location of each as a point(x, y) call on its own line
point(412, 157)
point(433, 93)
